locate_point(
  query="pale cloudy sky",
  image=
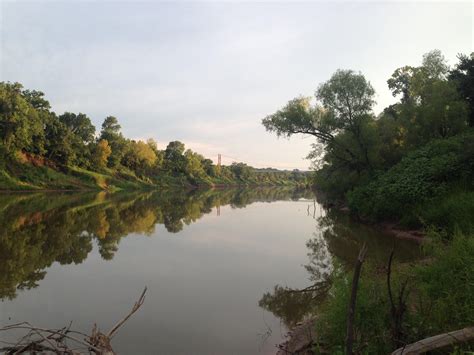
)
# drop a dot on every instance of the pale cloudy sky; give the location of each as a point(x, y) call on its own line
point(206, 73)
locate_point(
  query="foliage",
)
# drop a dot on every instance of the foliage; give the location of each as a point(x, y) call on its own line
point(371, 320)
point(394, 166)
point(101, 153)
point(420, 176)
point(20, 124)
point(139, 157)
point(446, 288)
point(80, 125)
point(451, 212)
point(463, 76)
point(39, 149)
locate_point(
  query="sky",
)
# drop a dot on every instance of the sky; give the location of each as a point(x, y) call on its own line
point(206, 73)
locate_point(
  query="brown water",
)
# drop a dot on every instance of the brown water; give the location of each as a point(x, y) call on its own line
point(207, 258)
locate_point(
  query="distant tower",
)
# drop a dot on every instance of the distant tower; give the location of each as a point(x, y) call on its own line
point(218, 160)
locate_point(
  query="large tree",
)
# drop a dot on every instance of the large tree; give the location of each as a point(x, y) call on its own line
point(174, 158)
point(21, 128)
point(430, 106)
point(80, 125)
point(111, 133)
point(338, 119)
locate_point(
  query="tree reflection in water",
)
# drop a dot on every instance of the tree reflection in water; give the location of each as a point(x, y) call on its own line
point(40, 229)
point(333, 247)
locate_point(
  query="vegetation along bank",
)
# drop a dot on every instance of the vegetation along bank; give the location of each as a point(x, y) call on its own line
point(412, 167)
point(40, 149)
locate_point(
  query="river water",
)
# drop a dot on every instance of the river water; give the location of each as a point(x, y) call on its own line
point(207, 258)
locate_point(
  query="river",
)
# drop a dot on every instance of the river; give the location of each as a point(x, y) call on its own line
point(208, 257)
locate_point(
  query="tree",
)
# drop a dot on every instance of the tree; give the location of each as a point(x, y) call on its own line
point(434, 65)
point(111, 133)
point(80, 125)
point(349, 97)
point(463, 76)
point(139, 157)
point(430, 106)
point(174, 158)
point(59, 146)
point(209, 167)
point(400, 81)
point(36, 99)
point(110, 127)
point(193, 167)
point(241, 171)
point(21, 127)
point(411, 82)
point(340, 121)
point(101, 153)
point(299, 116)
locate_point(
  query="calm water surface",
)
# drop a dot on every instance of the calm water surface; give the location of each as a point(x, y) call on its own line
point(207, 257)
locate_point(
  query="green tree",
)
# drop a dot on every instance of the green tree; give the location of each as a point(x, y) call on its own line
point(342, 122)
point(430, 106)
point(463, 76)
point(36, 99)
point(139, 157)
point(241, 171)
point(111, 133)
point(80, 125)
point(59, 142)
point(175, 161)
point(20, 125)
point(193, 167)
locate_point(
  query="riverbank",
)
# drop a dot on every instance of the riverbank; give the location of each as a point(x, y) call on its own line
point(30, 178)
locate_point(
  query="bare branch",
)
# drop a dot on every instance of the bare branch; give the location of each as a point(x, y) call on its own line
point(135, 308)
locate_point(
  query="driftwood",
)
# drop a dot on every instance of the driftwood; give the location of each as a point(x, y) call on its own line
point(437, 342)
point(352, 302)
point(64, 341)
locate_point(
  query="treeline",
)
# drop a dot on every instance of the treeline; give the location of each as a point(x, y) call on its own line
point(31, 134)
point(393, 165)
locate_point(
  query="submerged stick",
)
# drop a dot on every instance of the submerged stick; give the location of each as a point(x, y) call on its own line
point(135, 308)
point(53, 341)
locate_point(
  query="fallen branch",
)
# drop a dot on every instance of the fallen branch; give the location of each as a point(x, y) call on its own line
point(437, 342)
point(53, 341)
point(135, 308)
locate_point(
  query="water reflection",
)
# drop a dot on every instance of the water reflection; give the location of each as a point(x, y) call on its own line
point(40, 229)
point(335, 244)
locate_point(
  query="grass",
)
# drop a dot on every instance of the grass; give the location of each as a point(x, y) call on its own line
point(24, 176)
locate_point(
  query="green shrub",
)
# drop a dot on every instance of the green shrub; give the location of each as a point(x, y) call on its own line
point(446, 288)
point(371, 322)
point(421, 176)
point(452, 212)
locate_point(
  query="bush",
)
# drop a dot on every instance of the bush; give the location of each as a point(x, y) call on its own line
point(426, 173)
point(452, 212)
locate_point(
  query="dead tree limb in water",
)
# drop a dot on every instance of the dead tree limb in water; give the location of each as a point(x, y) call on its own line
point(135, 308)
point(437, 342)
point(53, 341)
point(352, 302)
